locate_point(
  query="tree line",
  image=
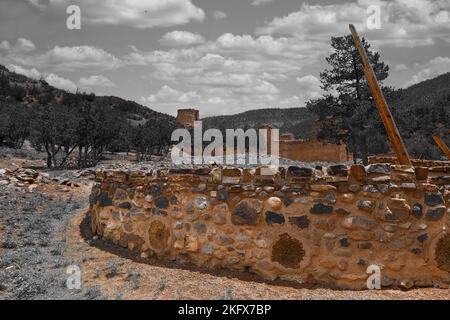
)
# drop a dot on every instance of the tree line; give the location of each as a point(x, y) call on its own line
point(75, 129)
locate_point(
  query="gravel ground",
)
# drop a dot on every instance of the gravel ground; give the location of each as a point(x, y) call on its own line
point(32, 243)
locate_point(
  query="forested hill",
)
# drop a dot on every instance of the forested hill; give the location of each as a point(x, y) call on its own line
point(421, 111)
point(298, 121)
point(33, 92)
point(68, 125)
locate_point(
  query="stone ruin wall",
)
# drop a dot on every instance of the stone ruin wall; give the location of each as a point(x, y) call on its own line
point(309, 151)
point(320, 226)
point(187, 117)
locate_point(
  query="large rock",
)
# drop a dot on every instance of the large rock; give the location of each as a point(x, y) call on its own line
point(288, 251)
point(433, 199)
point(274, 218)
point(247, 212)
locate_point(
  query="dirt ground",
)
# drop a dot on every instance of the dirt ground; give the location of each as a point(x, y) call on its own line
point(44, 231)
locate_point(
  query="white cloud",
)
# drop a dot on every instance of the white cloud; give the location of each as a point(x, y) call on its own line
point(256, 3)
point(51, 78)
point(182, 38)
point(429, 70)
point(404, 23)
point(167, 94)
point(60, 58)
point(61, 83)
point(218, 15)
point(30, 73)
point(133, 13)
point(310, 87)
point(21, 45)
point(96, 81)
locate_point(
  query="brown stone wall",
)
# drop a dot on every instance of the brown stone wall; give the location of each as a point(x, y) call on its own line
point(313, 151)
point(311, 226)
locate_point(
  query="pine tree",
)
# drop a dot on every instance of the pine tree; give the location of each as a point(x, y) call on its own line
point(346, 112)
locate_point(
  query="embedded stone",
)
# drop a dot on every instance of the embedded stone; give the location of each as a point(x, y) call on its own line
point(348, 198)
point(320, 208)
point(417, 210)
point(222, 195)
point(365, 245)
point(326, 224)
point(154, 190)
point(201, 203)
point(219, 215)
point(366, 205)
point(200, 227)
point(298, 172)
point(162, 202)
point(191, 243)
point(435, 214)
point(383, 188)
point(338, 170)
point(120, 194)
point(148, 198)
point(344, 242)
point(442, 253)
point(125, 205)
point(224, 240)
point(158, 235)
point(247, 212)
point(104, 200)
point(358, 172)
point(301, 222)
point(354, 187)
point(421, 173)
point(288, 251)
point(378, 168)
point(358, 222)
point(422, 238)
point(433, 199)
point(275, 203)
point(322, 187)
point(207, 249)
point(261, 243)
point(274, 218)
point(342, 211)
point(269, 189)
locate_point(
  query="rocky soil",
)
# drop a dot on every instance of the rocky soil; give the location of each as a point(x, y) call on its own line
point(43, 230)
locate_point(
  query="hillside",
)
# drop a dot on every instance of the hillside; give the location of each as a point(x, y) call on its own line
point(298, 121)
point(38, 92)
point(421, 111)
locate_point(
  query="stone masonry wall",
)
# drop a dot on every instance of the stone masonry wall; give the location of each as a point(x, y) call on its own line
point(314, 150)
point(314, 226)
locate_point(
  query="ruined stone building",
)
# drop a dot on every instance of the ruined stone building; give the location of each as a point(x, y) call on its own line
point(187, 117)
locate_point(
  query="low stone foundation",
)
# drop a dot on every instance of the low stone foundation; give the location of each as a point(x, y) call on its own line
point(317, 226)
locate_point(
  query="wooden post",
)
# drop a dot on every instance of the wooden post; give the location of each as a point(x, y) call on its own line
point(441, 144)
point(380, 102)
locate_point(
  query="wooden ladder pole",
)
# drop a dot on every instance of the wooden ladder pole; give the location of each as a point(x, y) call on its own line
point(441, 144)
point(380, 102)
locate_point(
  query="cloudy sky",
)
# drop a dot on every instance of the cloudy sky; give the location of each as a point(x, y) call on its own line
point(219, 56)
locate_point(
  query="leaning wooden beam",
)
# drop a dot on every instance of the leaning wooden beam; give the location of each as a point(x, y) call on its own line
point(380, 102)
point(441, 144)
